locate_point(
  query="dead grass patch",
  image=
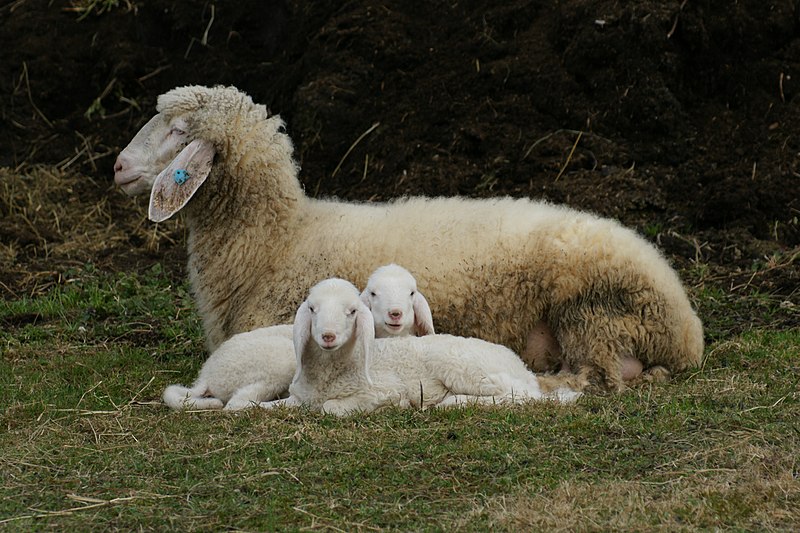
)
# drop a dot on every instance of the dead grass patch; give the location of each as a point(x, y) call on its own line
point(54, 220)
point(759, 490)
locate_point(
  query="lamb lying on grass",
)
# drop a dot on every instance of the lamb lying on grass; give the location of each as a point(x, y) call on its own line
point(245, 370)
point(503, 269)
point(342, 368)
point(258, 365)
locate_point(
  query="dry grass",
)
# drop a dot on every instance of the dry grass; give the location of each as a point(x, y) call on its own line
point(685, 500)
point(54, 220)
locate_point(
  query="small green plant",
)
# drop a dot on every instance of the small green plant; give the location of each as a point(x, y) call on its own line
point(653, 230)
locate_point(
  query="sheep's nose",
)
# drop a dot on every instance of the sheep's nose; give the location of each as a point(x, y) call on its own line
point(395, 314)
point(120, 163)
point(328, 337)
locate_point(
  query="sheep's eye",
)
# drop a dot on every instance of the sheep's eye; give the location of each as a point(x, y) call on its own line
point(177, 131)
point(412, 293)
point(372, 293)
point(312, 309)
point(351, 312)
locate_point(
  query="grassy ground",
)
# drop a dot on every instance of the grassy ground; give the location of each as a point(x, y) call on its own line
point(87, 346)
point(86, 445)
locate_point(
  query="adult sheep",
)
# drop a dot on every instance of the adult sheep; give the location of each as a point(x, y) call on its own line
point(496, 269)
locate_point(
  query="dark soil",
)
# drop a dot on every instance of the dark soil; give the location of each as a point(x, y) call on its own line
point(679, 118)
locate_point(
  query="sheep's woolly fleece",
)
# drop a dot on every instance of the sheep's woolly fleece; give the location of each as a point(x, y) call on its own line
point(490, 268)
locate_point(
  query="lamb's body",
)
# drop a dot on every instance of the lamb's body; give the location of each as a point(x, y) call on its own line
point(342, 368)
point(491, 268)
point(247, 369)
point(444, 368)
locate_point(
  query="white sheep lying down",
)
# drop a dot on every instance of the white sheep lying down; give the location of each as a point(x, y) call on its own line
point(342, 368)
point(256, 366)
point(588, 293)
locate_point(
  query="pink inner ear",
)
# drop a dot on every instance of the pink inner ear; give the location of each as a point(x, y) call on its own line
point(168, 196)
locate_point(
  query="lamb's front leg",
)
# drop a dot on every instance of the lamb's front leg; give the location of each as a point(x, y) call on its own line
point(365, 402)
point(291, 401)
point(462, 400)
point(253, 394)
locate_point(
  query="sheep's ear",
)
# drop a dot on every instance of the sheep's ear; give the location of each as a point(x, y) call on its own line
point(365, 329)
point(175, 185)
point(423, 318)
point(365, 298)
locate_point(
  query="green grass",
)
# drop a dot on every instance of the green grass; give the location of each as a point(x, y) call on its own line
point(86, 445)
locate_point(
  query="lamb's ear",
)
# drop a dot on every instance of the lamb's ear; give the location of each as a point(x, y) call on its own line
point(365, 298)
point(423, 318)
point(365, 329)
point(301, 334)
point(172, 190)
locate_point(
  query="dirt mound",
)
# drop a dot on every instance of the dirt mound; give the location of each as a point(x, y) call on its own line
point(678, 118)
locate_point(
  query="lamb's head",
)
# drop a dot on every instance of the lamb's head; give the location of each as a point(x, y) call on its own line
point(175, 151)
point(333, 317)
point(398, 308)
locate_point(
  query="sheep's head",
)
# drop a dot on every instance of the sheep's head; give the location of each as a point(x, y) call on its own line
point(398, 308)
point(149, 152)
point(174, 152)
point(153, 148)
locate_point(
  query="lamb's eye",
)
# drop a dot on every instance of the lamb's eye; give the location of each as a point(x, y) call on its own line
point(372, 293)
point(413, 293)
point(351, 312)
point(312, 309)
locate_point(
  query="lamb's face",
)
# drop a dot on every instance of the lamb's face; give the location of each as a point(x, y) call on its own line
point(151, 151)
point(390, 296)
point(334, 306)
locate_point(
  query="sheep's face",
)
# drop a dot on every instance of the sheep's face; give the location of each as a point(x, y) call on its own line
point(151, 151)
point(334, 309)
point(398, 308)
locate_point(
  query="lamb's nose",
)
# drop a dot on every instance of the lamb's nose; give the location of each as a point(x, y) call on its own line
point(395, 314)
point(328, 337)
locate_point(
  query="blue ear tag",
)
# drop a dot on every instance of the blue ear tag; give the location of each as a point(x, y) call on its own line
point(180, 176)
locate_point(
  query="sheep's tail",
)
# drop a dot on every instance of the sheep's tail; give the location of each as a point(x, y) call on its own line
point(181, 398)
point(690, 344)
point(693, 340)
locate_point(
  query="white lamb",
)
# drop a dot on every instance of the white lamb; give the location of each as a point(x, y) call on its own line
point(397, 306)
point(247, 369)
point(501, 269)
point(342, 368)
point(256, 366)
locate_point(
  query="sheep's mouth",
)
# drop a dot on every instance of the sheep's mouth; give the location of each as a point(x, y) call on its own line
point(132, 184)
point(393, 326)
